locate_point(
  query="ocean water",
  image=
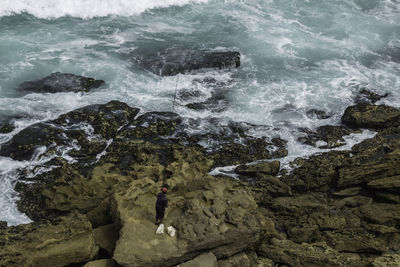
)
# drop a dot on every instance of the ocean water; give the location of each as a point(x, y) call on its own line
point(297, 55)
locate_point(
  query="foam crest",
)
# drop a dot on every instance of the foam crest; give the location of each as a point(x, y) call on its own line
point(87, 8)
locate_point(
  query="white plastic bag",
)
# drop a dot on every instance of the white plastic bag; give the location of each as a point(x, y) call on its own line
point(160, 229)
point(171, 231)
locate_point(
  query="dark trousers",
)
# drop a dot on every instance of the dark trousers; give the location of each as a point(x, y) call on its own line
point(160, 214)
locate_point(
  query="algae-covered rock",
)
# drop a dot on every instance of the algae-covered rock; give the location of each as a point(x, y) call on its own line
point(327, 136)
point(371, 116)
point(392, 182)
point(87, 128)
point(60, 82)
point(68, 240)
point(252, 149)
point(6, 127)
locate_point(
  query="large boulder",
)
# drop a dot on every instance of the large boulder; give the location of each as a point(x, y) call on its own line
point(217, 215)
point(173, 61)
point(371, 116)
point(66, 241)
point(60, 82)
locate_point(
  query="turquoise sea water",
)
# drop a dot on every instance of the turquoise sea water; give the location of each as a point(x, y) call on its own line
point(296, 56)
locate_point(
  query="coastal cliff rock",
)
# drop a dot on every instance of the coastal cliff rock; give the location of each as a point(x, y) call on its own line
point(60, 82)
point(339, 208)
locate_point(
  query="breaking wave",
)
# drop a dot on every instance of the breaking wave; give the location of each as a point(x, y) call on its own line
point(85, 8)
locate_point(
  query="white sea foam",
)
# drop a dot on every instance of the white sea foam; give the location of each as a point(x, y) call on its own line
point(85, 9)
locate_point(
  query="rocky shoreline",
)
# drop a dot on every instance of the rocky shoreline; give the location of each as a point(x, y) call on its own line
point(92, 199)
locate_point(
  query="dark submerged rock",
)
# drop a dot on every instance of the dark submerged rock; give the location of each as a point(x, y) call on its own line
point(369, 97)
point(173, 61)
point(60, 82)
point(6, 127)
point(319, 114)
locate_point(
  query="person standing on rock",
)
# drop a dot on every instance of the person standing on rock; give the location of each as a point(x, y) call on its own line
point(161, 204)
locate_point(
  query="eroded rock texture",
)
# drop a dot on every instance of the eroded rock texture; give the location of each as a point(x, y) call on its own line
point(339, 208)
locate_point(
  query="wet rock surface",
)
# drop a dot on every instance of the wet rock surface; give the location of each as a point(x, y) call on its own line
point(371, 116)
point(319, 114)
point(172, 61)
point(60, 82)
point(369, 97)
point(339, 208)
point(327, 136)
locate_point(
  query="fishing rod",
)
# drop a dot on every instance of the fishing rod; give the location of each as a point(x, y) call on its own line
point(173, 109)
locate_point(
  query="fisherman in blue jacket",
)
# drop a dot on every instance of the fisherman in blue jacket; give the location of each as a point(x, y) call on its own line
point(161, 204)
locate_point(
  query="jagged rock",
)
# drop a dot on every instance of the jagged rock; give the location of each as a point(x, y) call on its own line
point(68, 240)
point(273, 185)
point(173, 61)
point(316, 173)
point(60, 82)
point(381, 213)
point(3, 225)
point(101, 263)
point(392, 182)
point(387, 260)
point(368, 97)
point(6, 127)
point(238, 260)
point(204, 260)
point(104, 120)
point(252, 149)
point(348, 192)
point(355, 240)
point(371, 116)
point(105, 237)
point(327, 136)
point(354, 201)
point(268, 168)
point(329, 205)
point(293, 254)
